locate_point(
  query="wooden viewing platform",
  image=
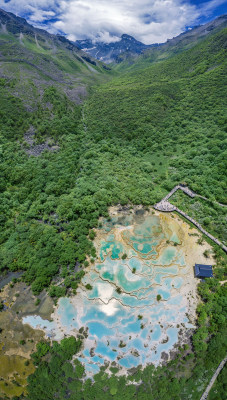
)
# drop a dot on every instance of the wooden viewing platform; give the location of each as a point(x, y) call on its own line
point(165, 206)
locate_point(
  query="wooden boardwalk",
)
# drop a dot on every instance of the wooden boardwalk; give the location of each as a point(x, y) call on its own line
point(185, 189)
point(213, 379)
point(165, 206)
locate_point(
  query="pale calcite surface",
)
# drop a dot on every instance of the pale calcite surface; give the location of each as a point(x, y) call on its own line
point(126, 325)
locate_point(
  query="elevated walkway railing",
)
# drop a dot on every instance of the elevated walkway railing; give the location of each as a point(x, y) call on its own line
point(165, 206)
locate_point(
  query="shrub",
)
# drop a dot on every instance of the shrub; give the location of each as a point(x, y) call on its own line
point(88, 286)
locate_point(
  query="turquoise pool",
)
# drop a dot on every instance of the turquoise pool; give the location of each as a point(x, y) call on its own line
point(125, 321)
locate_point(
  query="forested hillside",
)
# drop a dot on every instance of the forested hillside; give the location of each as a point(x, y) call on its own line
point(166, 124)
point(140, 134)
point(63, 163)
point(173, 110)
point(44, 80)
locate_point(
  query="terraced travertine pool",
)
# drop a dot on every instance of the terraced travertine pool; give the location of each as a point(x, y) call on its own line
point(138, 306)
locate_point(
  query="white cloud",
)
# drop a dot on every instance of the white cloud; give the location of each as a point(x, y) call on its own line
point(209, 6)
point(106, 37)
point(150, 21)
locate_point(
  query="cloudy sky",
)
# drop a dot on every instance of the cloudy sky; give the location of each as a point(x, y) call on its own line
point(150, 21)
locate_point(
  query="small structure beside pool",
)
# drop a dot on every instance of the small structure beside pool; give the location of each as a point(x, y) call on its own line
point(203, 271)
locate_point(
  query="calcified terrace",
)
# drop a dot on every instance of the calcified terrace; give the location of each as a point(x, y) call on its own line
point(139, 307)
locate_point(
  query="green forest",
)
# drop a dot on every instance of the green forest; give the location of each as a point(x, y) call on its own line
point(137, 135)
point(132, 151)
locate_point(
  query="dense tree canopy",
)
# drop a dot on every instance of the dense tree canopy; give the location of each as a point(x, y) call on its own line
point(136, 138)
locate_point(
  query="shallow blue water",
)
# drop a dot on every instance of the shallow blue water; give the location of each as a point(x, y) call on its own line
point(156, 333)
point(120, 294)
point(105, 351)
point(129, 361)
point(95, 314)
point(36, 321)
point(68, 313)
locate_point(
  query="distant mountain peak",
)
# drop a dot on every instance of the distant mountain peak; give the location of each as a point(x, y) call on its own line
point(109, 52)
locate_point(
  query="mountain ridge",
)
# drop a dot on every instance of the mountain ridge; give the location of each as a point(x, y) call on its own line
point(16, 24)
point(46, 59)
point(182, 42)
point(109, 52)
point(128, 48)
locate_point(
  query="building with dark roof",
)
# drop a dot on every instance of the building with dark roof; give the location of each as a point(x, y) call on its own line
point(203, 271)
